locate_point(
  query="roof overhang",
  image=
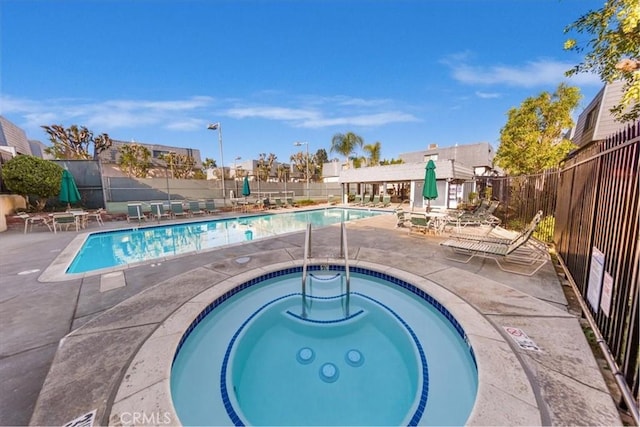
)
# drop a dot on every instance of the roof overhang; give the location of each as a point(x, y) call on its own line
point(445, 170)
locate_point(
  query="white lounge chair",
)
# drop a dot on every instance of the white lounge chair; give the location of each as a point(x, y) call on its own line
point(521, 250)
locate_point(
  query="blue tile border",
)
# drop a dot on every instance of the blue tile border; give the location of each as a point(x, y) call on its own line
point(324, 268)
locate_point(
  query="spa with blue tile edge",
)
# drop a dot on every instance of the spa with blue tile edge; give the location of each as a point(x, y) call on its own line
point(323, 268)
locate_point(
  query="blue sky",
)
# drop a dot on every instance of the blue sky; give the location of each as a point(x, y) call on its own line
point(405, 73)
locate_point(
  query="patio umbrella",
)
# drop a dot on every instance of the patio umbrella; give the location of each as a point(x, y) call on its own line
point(430, 189)
point(68, 189)
point(246, 191)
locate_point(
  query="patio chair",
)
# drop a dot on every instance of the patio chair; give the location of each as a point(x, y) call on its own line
point(65, 220)
point(134, 211)
point(496, 234)
point(278, 203)
point(483, 215)
point(178, 210)
point(523, 249)
point(29, 221)
point(418, 222)
point(291, 202)
point(210, 206)
point(158, 212)
point(266, 203)
point(81, 215)
point(97, 215)
point(401, 218)
point(194, 208)
point(386, 201)
point(375, 200)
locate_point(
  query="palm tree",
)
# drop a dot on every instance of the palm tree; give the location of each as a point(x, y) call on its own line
point(374, 153)
point(346, 144)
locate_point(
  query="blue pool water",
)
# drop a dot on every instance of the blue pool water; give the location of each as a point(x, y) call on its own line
point(397, 357)
point(122, 247)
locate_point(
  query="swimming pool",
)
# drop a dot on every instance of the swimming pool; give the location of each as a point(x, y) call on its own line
point(397, 356)
point(109, 249)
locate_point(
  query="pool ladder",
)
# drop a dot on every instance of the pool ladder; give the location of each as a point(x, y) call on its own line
point(344, 253)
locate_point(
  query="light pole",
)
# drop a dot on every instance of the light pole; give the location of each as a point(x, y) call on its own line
point(298, 144)
point(235, 173)
point(217, 126)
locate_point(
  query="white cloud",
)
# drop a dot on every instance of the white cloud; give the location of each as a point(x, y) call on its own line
point(109, 115)
point(365, 120)
point(271, 113)
point(487, 95)
point(541, 72)
point(190, 114)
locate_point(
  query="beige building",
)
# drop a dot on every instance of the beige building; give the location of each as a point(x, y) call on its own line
point(13, 140)
point(112, 155)
point(596, 122)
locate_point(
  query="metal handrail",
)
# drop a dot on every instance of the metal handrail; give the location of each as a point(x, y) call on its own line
point(344, 251)
point(305, 262)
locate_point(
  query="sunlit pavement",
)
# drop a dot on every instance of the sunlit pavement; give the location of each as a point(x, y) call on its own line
point(46, 381)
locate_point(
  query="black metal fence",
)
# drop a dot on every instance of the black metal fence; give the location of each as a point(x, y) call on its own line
point(591, 212)
point(521, 197)
point(597, 237)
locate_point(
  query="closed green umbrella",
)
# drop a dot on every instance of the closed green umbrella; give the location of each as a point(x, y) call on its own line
point(68, 189)
point(430, 189)
point(246, 191)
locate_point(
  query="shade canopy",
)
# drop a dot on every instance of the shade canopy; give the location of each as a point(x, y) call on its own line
point(68, 189)
point(246, 190)
point(430, 189)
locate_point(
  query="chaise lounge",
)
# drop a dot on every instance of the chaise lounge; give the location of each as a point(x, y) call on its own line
point(522, 249)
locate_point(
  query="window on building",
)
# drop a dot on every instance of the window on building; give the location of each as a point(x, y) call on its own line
point(428, 157)
point(590, 121)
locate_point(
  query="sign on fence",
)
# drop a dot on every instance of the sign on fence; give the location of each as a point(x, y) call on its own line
point(595, 278)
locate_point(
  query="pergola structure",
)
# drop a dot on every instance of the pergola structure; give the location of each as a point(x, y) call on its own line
point(405, 181)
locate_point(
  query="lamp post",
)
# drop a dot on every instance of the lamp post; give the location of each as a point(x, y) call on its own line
point(235, 173)
point(298, 144)
point(217, 126)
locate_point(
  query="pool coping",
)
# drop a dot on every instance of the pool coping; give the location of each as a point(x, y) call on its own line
point(57, 270)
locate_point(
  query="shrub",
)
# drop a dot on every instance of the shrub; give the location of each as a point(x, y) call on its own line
point(544, 230)
point(32, 176)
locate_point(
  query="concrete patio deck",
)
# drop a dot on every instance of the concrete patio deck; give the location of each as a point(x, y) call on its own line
point(67, 348)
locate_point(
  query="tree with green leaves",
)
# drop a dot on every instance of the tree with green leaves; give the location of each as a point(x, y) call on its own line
point(209, 163)
point(265, 165)
point(303, 163)
point(73, 143)
point(533, 138)
point(373, 153)
point(135, 160)
point(283, 173)
point(393, 161)
point(346, 144)
point(180, 165)
point(358, 161)
point(614, 53)
point(32, 176)
point(320, 158)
